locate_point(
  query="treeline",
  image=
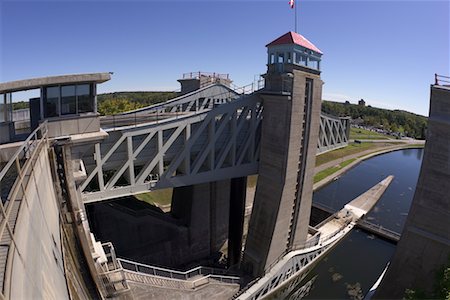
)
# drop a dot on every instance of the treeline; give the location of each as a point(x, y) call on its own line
point(113, 103)
point(20, 105)
point(407, 123)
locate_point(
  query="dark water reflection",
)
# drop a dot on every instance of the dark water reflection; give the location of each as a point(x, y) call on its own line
point(392, 209)
point(351, 269)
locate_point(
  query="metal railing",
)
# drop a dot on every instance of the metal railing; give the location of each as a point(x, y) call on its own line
point(441, 80)
point(176, 108)
point(194, 276)
point(196, 75)
point(14, 177)
point(111, 273)
point(314, 241)
point(314, 244)
point(379, 230)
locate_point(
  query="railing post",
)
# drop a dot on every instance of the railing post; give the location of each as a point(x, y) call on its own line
point(436, 79)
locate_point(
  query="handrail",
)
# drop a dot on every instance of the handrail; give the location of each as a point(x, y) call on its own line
point(24, 147)
point(170, 273)
point(112, 278)
point(317, 244)
point(160, 111)
point(183, 277)
point(22, 160)
point(312, 242)
point(441, 79)
point(378, 227)
point(195, 75)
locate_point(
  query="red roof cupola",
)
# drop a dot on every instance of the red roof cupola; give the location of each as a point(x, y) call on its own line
point(294, 38)
point(292, 50)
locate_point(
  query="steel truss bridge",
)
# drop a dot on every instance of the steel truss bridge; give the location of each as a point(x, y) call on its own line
point(207, 135)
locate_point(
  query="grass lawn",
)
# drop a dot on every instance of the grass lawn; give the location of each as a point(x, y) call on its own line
point(158, 197)
point(327, 172)
point(364, 134)
point(352, 148)
point(251, 180)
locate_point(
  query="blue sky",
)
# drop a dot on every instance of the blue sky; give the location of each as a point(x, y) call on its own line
point(383, 51)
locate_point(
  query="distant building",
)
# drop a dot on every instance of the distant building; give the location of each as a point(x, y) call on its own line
point(362, 102)
point(347, 102)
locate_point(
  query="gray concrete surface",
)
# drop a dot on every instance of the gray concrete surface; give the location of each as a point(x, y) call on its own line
point(210, 291)
point(280, 215)
point(35, 83)
point(37, 265)
point(424, 246)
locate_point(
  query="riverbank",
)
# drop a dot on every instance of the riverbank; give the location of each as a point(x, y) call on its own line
point(343, 164)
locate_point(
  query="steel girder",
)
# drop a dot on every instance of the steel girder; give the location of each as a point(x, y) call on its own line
point(333, 134)
point(197, 101)
point(202, 144)
point(213, 145)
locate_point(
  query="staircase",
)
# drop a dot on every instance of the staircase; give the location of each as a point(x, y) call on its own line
point(173, 279)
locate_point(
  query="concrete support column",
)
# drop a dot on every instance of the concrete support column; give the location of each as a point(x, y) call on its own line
point(191, 205)
point(282, 206)
point(204, 209)
point(220, 212)
point(305, 180)
point(272, 209)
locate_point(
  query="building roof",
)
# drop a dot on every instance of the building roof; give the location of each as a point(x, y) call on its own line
point(294, 38)
point(34, 83)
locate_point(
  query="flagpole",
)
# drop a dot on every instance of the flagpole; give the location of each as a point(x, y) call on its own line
point(295, 17)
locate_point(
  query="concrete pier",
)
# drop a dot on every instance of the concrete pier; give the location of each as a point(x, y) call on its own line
point(280, 215)
point(424, 247)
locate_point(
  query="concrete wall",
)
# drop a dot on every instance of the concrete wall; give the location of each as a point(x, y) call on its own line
point(195, 229)
point(309, 155)
point(73, 125)
point(38, 272)
point(425, 243)
point(280, 215)
point(139, 233)
point(204, 209)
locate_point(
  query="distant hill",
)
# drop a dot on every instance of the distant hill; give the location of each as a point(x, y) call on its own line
point(400, 121)
point(113, 103)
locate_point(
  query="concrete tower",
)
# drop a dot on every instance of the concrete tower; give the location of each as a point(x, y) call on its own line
point(292, 101)
point(424, 247)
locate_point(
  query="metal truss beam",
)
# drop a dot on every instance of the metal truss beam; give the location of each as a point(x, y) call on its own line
point(216, 144)
point(333, 134)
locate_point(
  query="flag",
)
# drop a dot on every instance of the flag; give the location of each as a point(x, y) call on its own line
point(292, 3)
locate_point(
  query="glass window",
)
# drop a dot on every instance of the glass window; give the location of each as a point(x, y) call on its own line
point(297, 58)
point(2, 108)
point(68, 100)
point(51, 101)
point(302, 60)
point(280, 58)
point(289, 58)
point(313, 63)
point(85, 99)
point(272, 58)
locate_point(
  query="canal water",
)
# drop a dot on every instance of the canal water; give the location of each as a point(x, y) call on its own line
point(350, 270)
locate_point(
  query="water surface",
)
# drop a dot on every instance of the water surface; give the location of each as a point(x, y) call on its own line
point(350, 270)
